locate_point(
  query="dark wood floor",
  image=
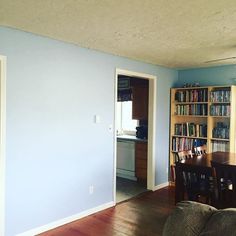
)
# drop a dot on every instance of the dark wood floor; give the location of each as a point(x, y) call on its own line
point(144, 215)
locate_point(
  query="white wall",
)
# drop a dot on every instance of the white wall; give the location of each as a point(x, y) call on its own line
point(54, 150)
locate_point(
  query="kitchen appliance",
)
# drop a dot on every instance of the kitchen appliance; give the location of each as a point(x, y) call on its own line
point(125, 167)
point(142, 132)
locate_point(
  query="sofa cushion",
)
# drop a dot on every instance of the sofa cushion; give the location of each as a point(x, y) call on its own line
point(222, 222)
point(188, 219)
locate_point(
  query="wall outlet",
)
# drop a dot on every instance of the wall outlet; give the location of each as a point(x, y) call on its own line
point(91, 189)
point(167, 170)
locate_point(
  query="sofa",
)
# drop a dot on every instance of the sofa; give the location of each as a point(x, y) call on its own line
point(197, 219)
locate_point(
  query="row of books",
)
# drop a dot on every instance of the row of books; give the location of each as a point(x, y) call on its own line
point(220, 110)
point(195, 95)
point(220, 96)
point(201, 95)
point(191, 129)
point(181, 144)
point(221, 131)
point(191, 109)
point(220, 146)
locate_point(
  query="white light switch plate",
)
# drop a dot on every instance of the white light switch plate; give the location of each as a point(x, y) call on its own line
point(97, 119)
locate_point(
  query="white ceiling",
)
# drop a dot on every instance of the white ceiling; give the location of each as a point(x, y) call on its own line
point(172, 33)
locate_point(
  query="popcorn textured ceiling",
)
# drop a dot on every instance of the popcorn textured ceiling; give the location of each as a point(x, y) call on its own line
point(176, 34)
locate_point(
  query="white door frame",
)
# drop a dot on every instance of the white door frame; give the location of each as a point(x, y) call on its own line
point(151, 126)
point(2, 141)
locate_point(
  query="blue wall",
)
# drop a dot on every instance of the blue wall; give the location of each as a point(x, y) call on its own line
point(54, 150)
point(220, 75)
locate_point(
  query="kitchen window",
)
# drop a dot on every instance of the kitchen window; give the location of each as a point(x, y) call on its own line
point(125, 123)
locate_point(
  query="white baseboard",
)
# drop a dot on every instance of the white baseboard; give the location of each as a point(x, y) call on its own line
point(66, 220)
point(126, 176)
point(160, 186)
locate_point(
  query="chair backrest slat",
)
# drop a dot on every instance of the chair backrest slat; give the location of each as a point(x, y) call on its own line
point(201, 150)
point(183, 155)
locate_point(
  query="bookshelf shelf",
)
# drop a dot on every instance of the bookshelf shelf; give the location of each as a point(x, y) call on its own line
point(219, 116)
point(199, 115)
point(219, 103)
point(220, 139)
point(182, 103)
point(193, 88)
point(191, 116)
point(193, 137)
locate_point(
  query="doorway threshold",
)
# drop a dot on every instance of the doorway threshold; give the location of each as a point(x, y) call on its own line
point(126, 189)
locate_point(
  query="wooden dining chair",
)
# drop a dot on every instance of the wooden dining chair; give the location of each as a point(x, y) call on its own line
point(194, 182)
point(201, 150)
point(226, 185)
point(179, 156)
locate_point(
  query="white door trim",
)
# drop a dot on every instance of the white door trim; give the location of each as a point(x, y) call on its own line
point(2, 141)
point(151, 126)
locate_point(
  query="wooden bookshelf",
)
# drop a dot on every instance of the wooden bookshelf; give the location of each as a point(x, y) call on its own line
point(212, 108)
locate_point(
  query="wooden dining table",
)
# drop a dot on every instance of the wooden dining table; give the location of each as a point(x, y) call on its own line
point(204, 161)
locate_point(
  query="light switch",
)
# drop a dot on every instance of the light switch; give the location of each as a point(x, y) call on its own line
point(97, 119)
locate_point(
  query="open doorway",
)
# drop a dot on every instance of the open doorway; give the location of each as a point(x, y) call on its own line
point(134, 141)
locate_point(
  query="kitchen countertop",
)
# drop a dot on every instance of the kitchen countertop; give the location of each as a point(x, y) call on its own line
point(130, 138)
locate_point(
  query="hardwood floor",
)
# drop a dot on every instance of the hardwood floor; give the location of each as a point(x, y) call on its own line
point(144, 215)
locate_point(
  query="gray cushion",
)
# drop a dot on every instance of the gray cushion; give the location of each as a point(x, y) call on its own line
point(188, 219)
point(222, 222)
